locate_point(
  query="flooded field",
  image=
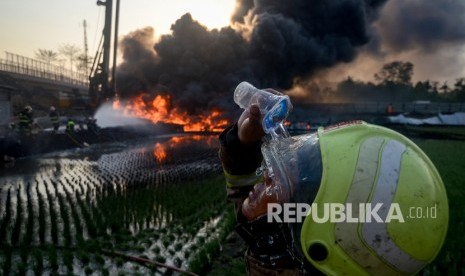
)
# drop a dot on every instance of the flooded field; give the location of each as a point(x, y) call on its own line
point(83, 211)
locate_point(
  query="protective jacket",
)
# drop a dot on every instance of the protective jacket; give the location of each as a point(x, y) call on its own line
point(55, 119)
point(268, 253)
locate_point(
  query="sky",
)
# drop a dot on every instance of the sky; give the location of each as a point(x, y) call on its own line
point(27, 25)
point(428, 33)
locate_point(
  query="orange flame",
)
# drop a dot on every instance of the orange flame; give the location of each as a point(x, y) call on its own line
point(159, 152)
point(158, 110)
point(160, 149)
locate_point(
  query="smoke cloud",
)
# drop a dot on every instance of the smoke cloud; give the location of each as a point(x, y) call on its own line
point(424, 26)
point(429, 34)
point(278, 43)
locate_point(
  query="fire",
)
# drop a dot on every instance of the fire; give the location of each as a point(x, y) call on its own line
point(159, 152)
point(159, 110)
point(160, 149)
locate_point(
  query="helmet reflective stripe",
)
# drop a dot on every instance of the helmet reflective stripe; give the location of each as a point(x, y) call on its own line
point(376, 234)
point(361, 187)
point(235, 181)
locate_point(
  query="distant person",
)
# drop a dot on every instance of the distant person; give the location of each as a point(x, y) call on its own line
point(54, 118)
point(12, 126)
point(91, 123)
point(390, 109)
point(70, 126)
point(25, 120)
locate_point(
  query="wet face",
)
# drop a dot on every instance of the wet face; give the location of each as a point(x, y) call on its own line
point(256, 203)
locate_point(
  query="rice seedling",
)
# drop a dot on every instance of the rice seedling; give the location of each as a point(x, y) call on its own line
point(38, 265)
point(68, 259)
point(6, 219)
point(99, 259)
point(6, 252)
point(21, 269)
point(30, 222)
point(64, 213)
point(178, 247)
point(42, 216)
point(160, 259)
point(53, 215)
point(18, 219)
point(52, 258)
point(119, 261)
point(83, 256)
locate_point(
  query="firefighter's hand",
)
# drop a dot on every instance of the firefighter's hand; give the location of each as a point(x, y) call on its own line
point(250, 126)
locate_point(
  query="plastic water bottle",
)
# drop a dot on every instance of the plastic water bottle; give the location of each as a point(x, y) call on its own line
point(273, 107)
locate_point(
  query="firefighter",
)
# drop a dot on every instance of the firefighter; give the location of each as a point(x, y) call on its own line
point(25, 120)
point(54, 118)
point(390, 109)
point(91, 123)
point(12, 126)
point(352, 164)
point(70, 124)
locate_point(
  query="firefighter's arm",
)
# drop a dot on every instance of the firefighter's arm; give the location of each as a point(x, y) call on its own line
point(240, 147)
point(240, 155)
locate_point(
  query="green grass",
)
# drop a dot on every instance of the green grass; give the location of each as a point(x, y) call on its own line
point(432, 132)
point(448, 157)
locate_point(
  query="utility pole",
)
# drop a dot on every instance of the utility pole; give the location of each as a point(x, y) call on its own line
point(105, 65)
point(86, 48)
point(115, 48)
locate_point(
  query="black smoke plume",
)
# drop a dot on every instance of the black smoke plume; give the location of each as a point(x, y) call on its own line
point(430, 34)
point(422, 25)
point(272, 44)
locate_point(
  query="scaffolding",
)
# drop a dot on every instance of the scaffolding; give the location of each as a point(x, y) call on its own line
point(18, 64)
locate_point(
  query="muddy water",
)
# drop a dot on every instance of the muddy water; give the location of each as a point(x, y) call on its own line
point(109, 193)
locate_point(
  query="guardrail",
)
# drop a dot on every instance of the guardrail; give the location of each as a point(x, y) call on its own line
point(21, 65)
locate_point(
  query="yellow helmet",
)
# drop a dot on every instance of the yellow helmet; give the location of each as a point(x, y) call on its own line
point(28, 108)
point(379, 205)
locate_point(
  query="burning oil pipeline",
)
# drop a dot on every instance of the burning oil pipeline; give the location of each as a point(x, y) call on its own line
point(270, 44)
point(284, 45)
point(158, 110)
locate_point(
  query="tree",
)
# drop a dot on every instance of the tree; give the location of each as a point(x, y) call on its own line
point(434, 87)
point(459, 89)
point(84, 63)
point(48, 56)
point(396, 72)
point(459, 85)
point(444, 88)
point(71, 52)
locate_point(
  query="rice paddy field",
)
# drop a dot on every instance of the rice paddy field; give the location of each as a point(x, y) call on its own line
point(114, 209)
point(121, 209)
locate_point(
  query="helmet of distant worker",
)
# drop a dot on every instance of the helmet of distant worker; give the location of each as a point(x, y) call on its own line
point(28, 109)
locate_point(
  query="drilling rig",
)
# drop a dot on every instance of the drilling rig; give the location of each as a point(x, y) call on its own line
point(102, 78)
point(86, 48)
